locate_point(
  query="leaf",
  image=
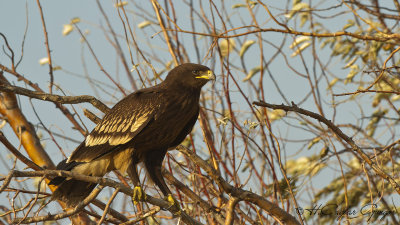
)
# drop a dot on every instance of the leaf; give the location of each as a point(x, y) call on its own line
point(134, 67)
point(246, 46)
point(227, 46)
point(352, 61)
point(313, 142)
point(350, 24)
point(68, 28)
point(252, 4)
point(333, 82)
point(299, 40)
point(373, 123)
point(121, 4)
point(296, 8)
point(304, 17)
point(75, 20)
point(276, 114)
point(354, 69)
point(300, 49)
point(144, 24)
point(57, 68)
point(395, 98)
point(235, 6)
point(43, 61)
point(251, 73)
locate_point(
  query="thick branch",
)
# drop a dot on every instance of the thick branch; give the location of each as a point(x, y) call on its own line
point(23, 129)
point(55, 98)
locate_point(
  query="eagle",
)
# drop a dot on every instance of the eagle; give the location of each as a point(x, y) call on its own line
point(140, 128)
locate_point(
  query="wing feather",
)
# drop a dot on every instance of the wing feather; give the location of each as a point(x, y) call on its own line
point(119, 126)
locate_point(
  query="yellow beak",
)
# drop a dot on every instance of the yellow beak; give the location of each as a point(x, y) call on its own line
point(209, 75)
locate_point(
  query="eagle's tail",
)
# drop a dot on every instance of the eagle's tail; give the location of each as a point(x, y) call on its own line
point(68, 190)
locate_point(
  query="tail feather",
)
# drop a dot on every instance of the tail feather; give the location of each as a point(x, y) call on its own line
point(70, 191)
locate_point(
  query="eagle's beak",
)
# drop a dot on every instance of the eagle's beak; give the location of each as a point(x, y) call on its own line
point(209, 75)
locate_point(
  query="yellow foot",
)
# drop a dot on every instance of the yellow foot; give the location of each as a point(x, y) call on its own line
point(138, 195)
point(173, 203)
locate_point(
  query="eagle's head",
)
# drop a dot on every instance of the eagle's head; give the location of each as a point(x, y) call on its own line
point(190, 75)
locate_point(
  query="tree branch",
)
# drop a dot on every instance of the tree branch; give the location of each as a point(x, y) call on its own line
point(339, 133)
point(279, 214)
point(55, 98)
point(104, 182)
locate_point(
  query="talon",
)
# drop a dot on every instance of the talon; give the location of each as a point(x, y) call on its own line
point(173, 203)
point(138, 195)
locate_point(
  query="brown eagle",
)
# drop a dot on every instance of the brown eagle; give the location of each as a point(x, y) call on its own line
point(139, 128)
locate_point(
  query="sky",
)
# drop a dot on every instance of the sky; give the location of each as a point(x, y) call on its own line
point(68, 51)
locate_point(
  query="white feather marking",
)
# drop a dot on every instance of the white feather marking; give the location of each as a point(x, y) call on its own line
point(102, 127)
point(122, 125)
point(125, 127)
point(114, 127)
point(107, 127)
point(138, 123)
point(103, 139)
point(119, 140)
point(88, 140)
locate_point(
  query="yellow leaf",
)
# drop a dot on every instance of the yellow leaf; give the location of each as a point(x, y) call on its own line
point(238, 6)
point(354, 71)
point(276, 114)
point(313, 142)
point(350, 24)
point(252, 73)
point(227, 46)
point(300, 49)
point(43, 61)
point(57, 68)
point(144, 24)
point(299, 40)
point(75, 20)
point(121, 4)
point(296, 8)
point(68, 28)
point(333, 82)
point(246, 46)
point(352, 61)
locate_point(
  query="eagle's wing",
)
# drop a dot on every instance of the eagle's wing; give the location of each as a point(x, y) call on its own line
point(119, 126)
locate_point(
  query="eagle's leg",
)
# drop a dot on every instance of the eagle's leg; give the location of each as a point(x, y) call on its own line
point(138, 193)
point(153, 164)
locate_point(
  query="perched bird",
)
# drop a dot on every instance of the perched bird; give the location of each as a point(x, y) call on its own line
point(142, 127)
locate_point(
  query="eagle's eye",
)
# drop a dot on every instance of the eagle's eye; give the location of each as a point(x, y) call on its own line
point(195, 72)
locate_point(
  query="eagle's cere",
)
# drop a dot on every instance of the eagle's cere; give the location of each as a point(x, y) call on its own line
point(139, 128)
